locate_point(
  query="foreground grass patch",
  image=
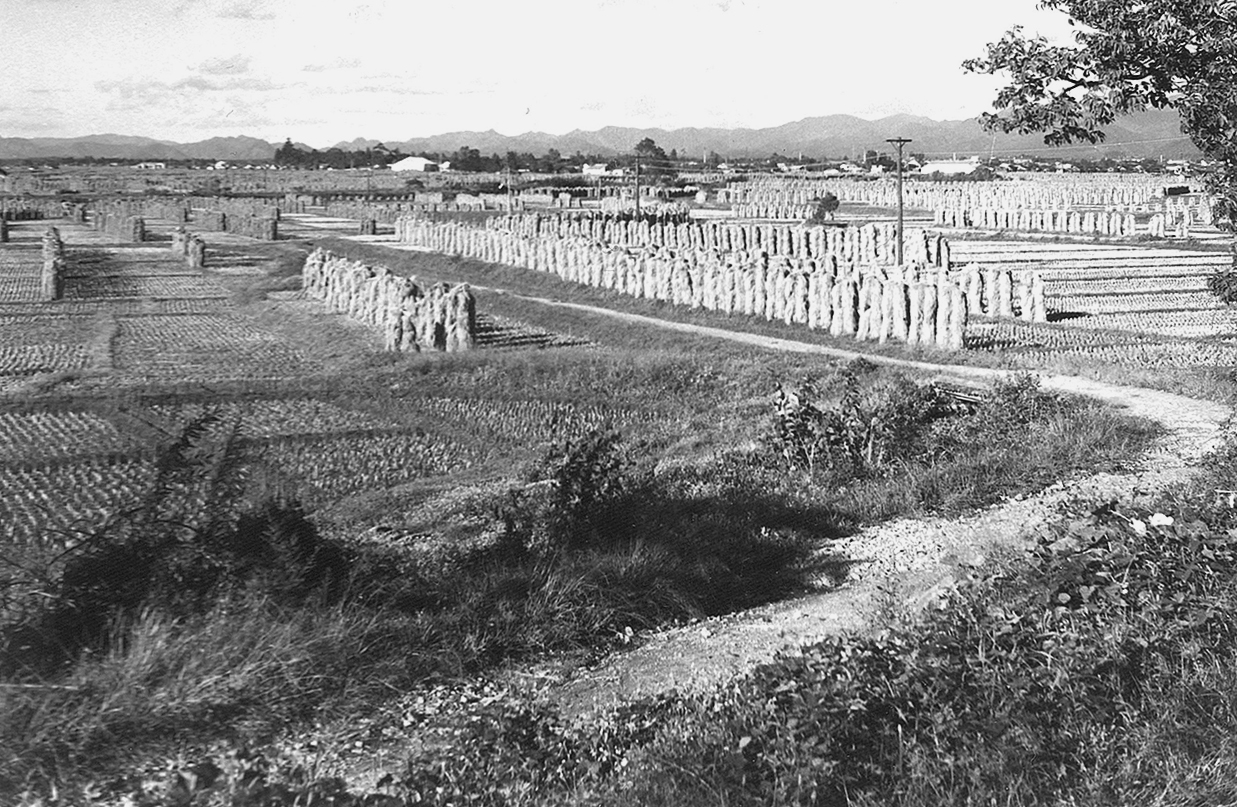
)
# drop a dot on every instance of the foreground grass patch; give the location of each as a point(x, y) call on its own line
point(188, 625)
point(1098, 670)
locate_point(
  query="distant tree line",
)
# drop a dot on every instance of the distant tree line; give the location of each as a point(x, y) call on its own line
point(653, 160)
point(465, 158)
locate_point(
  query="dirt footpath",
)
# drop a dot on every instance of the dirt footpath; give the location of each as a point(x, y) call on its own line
point(900, 563)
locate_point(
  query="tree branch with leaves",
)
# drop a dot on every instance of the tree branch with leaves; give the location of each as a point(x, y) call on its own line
point(1128, 56)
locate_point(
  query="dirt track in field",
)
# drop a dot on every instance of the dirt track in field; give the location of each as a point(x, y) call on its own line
point(907, 562)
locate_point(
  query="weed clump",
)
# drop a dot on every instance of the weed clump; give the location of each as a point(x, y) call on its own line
point(877, 445)
point(880, 421)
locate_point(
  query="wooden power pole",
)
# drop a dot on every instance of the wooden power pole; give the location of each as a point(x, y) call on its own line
point(637, 186)
point(899, 142)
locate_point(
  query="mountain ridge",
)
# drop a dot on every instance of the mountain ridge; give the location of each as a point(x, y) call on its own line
point(1146, 134)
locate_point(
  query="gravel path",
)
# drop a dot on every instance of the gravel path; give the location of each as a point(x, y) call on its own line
point(907, 562)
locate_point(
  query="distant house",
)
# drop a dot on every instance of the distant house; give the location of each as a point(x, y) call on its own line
point(421, 164)
point(600, 170)
point(151, 166)
point(949, 167)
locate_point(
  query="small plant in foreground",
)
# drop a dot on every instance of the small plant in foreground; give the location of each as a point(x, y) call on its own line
point(879, 422)
point(1223, 284)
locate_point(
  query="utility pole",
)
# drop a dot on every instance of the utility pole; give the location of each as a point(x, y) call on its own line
point(899, 142)
point(637, 186)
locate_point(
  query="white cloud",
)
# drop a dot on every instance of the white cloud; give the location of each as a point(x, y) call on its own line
point(338, 64)
point(244, 11)
point(392, 70)
point(226, 66)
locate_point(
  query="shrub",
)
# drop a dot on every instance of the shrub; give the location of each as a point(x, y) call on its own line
point(823, 208)
point(1222, 282)
point(876, 425)
point(572, 497)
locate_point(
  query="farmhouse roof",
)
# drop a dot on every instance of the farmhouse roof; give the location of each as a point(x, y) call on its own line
point(413, 164)
point(949, 166)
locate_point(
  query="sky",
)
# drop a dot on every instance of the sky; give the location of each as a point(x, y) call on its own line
point(325, 72)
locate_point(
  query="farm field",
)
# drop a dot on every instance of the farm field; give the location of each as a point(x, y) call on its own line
point(409, 453)
point(135, 317)
point(1129, 303)
point(162, 344)
point(1134, 288)
point(171, 342)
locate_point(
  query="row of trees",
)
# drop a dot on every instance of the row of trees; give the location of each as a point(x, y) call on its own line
point(652, 158)
point(465, 158)
point(290, 155)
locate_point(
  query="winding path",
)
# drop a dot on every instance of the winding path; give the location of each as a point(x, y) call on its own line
point(907, 562)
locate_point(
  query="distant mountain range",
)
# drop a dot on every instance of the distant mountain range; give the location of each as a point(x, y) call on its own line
point(1147, 134)
point(124, 147)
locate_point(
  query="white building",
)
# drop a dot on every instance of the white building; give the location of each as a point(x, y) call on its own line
point(949, 167)
point(600, 170)
point(422, 164)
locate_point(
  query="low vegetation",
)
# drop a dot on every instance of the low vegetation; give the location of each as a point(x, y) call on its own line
point(1101, 674)
point(1096, 670)
point(1223, 284)
point(206, 614)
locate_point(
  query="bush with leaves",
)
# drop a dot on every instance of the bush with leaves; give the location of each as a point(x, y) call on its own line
point(1222, 282)
point(573, 497)
point(823, 208)
point(879, 422)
